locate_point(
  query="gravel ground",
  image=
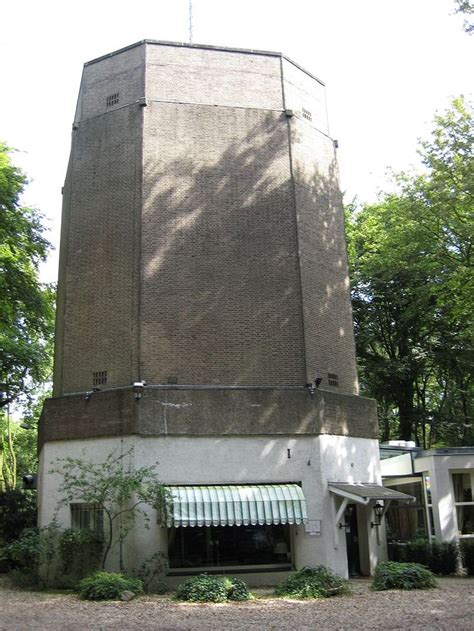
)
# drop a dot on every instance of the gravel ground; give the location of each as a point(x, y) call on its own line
point(451, 606)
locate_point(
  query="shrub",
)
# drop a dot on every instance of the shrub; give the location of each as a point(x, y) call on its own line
point(107, 586)
point(444, 557)
point(312, 582)
point(35, 549)
point(441, 557)
point(393, 575)
point(236, 589)
point(467, 555)
point(418, 551)
point(80, 552)
point(202, 589)
point(153, 572)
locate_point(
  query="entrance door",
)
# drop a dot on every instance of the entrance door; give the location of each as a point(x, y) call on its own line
point(352, 540)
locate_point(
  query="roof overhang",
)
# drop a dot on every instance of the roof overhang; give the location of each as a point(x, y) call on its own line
point(365, 493)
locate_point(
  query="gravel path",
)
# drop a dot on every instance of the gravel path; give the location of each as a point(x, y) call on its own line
point(451, 606)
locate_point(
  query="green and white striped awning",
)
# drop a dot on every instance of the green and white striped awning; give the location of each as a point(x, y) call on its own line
point(234, 505)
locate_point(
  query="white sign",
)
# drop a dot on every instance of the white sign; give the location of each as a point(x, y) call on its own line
point(313, 527)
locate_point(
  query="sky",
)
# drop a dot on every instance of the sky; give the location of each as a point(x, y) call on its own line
point(388, 66)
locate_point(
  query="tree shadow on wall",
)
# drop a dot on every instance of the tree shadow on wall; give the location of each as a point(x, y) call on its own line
point(221, 296)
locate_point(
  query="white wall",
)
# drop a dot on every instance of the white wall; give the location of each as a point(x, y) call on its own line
point(313, 461)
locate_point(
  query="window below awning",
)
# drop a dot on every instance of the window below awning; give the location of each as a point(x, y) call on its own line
point(364, 492)
point(234, 505)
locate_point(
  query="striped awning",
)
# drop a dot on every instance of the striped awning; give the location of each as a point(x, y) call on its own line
point(234, 505)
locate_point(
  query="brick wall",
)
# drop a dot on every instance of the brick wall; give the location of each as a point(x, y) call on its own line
point(192, 246)
point(99, 274)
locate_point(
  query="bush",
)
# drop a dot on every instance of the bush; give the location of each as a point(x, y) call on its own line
point(202, 589)
point(153, 572)
point(441, 557)
point(467, 555)
point(34, 549)
point(393, 575)
point(80, 552)
point(444, 557)
point(107, 586)
point(312, 582)
point(236, 589)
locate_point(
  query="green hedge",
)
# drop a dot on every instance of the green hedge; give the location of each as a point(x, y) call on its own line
point(467, 555)
point(393, 575)
point(441, 557)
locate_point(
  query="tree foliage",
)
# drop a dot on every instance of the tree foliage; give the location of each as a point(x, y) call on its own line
point(26, 306)
point(413, 290)
point(113, 486)
point(467, 8)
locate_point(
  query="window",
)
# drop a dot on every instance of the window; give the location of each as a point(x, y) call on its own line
point(87, 517)
point(99, 378)
point(463, 486)
point(229, 546)
point(333, 379)
point(112, 99)
point(407, 521)
point(306, 114)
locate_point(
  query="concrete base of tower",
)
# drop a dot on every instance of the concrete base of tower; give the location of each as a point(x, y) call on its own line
point(261, 552)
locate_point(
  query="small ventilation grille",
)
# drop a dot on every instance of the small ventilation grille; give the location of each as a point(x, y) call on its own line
point(333, 379)
point(99, 378)
point(112, 99)
point(307, 114)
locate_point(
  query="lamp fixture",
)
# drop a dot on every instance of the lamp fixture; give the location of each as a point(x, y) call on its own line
point(314, 384)
point(378, 511)
point(138, 387)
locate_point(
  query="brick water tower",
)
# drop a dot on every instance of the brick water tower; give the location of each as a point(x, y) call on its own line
point(203, 260)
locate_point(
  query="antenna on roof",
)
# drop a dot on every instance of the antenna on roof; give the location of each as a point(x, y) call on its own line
point(190, 21)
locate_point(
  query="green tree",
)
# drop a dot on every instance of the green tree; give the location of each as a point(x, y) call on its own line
point(114, 487)
point(467, 8)
point(413, 290)
point(26, 308)
point(26, 305)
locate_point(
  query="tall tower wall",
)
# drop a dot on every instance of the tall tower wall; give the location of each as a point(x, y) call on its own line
point(203, 231)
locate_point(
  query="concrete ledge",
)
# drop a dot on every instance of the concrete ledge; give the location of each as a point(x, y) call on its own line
point(204, 411)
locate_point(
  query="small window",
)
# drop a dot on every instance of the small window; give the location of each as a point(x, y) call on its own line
point(99, 378)
point(307, 114)
point(87, 517)
point(333, 379)
point(112, 99)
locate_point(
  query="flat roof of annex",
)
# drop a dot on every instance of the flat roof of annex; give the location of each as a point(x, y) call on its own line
point(246, 51)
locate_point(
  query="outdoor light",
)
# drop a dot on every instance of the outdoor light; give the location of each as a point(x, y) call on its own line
point(138, 389)
point(378, 510)
point(88, 394)
point(313, 385)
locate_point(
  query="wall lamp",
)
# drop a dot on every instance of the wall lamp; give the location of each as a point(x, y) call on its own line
point(378, 511)
point(138, 387)
point(89, 393)
point(314, 384)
